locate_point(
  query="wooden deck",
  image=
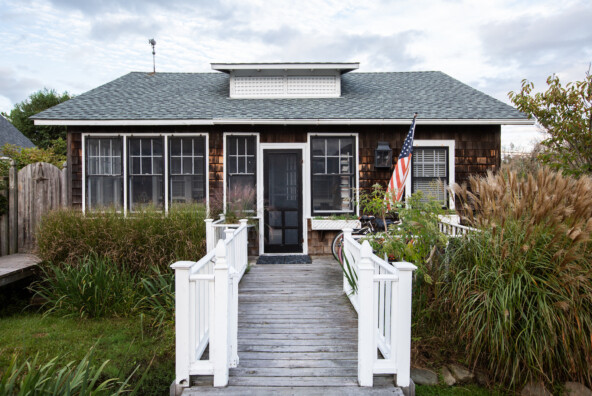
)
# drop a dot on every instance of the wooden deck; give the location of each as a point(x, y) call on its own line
point(17, 266)
point(297, 335)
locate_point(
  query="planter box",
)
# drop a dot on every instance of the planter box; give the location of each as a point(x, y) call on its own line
point(331, 224)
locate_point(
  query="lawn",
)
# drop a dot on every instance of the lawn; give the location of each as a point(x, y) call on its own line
point(125, 342)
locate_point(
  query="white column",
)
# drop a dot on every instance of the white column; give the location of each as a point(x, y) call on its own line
point(366, 325)
point(182, 314)
point(219, 332)
point(404, 323)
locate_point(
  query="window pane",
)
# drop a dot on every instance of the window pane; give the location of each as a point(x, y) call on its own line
point(318, 146)
point(187, 144)
point(187, 189)
point(347, 146)
point(145, 190)
point(135, 166)
point(187, 165)
point(134, 146)
point(199, 146)
point(332, 165)
point(103, 192)
point(332, 146)
point(175, 146)
point(145, 147)
point(175, 166)
point(146, 166)
point(157, 166)
point(332, 193)
point(318, 165)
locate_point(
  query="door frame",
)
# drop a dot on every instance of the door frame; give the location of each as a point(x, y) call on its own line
point(305, 190)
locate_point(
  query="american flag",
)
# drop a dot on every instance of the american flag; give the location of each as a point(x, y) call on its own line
point(397, 182)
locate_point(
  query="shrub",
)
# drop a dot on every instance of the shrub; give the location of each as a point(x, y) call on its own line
point(522, 288)
point(142, 240)
point(82, 378)
point(94, 288)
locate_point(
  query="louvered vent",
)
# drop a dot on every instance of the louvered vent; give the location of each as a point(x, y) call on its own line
point(285, 87)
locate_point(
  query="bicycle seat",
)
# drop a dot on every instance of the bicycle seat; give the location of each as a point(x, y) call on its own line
point(366, 218)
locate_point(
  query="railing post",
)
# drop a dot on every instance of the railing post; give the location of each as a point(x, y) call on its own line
point(404, 323)
point(366, 323)
point(231, 262)
point(347, 232)
point(13, 208)
point(219, 332)
point(182, 315)
point(210, 238)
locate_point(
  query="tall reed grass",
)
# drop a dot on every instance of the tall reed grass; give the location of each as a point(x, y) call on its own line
point(140, 241)
point(522, 288)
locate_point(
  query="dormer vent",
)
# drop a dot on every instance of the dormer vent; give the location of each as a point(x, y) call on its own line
point(284, 80)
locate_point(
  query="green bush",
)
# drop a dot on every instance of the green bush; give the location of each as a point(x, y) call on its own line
point(140, 241)
point(83, 378)
point(522, 287)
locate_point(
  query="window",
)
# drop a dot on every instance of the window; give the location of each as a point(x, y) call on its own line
point(146, 172)
point(187, 178)
point(104, 176)
point(241, 166)
point(430, 172)
point(333, 177)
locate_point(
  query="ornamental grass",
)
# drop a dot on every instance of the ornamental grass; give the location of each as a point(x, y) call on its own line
point(522, 287)
point(140, 241)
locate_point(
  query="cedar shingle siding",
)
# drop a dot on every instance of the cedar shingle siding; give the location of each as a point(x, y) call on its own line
point(477, 148)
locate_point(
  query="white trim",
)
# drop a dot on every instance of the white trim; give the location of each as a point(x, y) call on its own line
point(357, 170)
point(284, 66)
point(304, 147)
point(289, 121)
point(450, 144)
point(125, 179)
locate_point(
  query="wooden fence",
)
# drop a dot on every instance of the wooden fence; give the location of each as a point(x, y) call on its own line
point(30, 192)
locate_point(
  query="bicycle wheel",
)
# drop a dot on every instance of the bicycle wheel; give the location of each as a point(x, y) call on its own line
point(337, 246)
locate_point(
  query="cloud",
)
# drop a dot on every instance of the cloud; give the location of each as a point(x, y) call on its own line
point(535, 39)
point(110, 29)
point(16, 88)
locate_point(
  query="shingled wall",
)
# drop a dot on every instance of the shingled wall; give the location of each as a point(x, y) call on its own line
point(477, 150)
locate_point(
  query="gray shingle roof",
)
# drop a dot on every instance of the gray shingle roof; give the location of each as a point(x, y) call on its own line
point(9, 134)
point(179, 96)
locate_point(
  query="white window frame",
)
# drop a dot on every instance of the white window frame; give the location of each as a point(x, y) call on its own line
point(165, 136)
point(355, 135)
point(257, 150)
point(450, 144)
point(84, 166)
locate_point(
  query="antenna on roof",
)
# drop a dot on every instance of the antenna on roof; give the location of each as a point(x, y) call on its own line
point(153, 43)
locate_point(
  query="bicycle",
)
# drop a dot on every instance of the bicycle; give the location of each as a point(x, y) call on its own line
point(368, 225)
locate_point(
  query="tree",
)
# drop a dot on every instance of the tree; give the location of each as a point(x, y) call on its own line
point(41, 136)
point(566, 115)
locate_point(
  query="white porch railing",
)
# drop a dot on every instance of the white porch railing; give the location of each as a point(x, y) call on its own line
point(453, 229)
point(383, 304)
point(206, 308)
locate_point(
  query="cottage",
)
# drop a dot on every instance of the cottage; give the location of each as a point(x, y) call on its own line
point(302, 136)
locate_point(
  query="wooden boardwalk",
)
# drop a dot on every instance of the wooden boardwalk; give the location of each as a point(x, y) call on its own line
point(297, 335)
point(15, 267)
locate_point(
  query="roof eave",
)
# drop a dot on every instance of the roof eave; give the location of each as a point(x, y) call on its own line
point(287, 121)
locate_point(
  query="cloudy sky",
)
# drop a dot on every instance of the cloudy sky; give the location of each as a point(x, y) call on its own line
point(76, 45)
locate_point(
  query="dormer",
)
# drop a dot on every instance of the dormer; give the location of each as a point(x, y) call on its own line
point(285, 80)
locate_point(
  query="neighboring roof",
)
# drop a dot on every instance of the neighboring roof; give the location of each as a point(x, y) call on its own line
point(203, 98)
point(343, 67)
point(9, 134)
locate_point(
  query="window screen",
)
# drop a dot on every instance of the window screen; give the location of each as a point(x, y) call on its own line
point(241, 168)
point(333, 178)
point(104, 181)
point(430, 172)
point(146, 172)
point(187, 178)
